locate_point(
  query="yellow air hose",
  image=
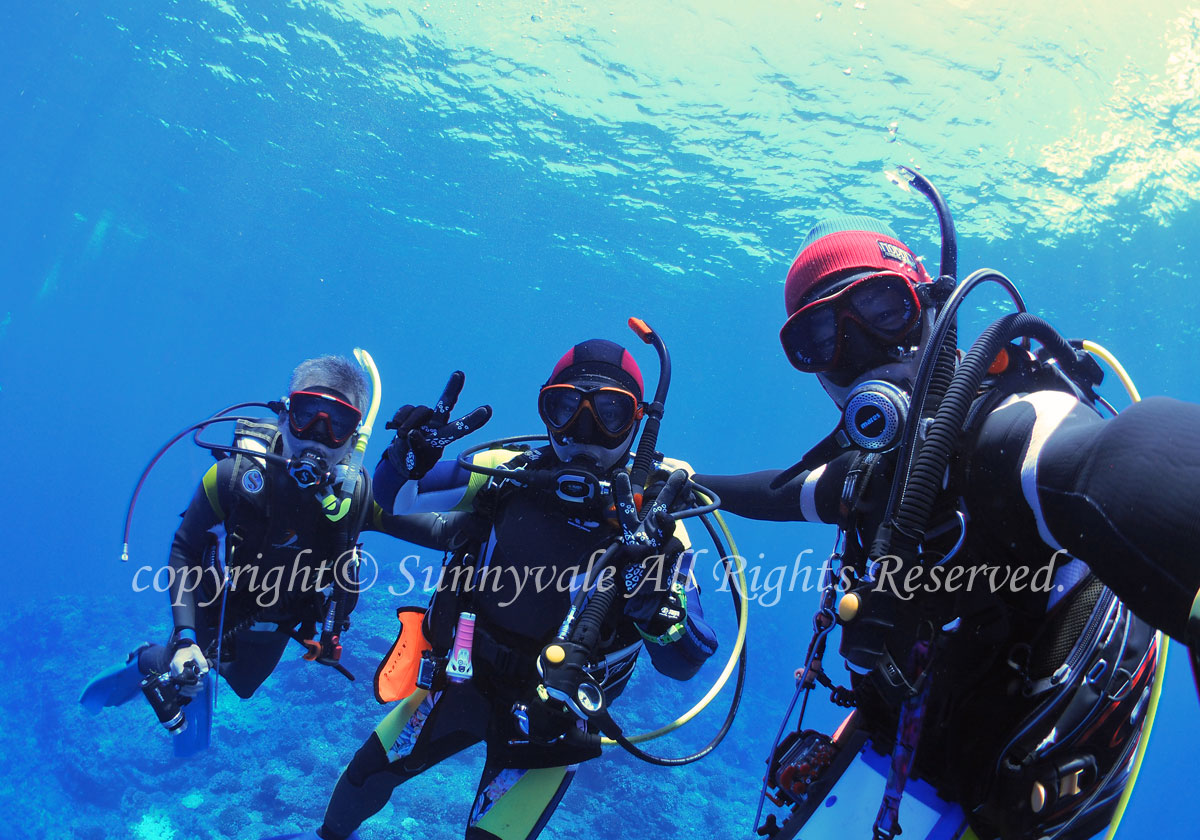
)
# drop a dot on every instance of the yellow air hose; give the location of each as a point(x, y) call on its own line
point(733, 655)
point(1160, 671)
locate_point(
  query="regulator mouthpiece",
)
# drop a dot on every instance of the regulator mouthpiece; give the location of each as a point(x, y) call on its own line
point(308, 469)
point(875, 414)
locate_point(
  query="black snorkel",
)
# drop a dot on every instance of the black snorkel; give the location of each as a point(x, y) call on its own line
point(648, 442)
point(939, 362)
point(940, 354)
point(949, 256)
point(882, 408)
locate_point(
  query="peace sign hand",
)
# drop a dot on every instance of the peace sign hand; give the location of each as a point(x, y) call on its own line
point(423, 432)
point(654, 530)
point(646, 539)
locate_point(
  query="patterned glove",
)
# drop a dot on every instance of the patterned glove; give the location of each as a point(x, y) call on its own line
point(423, 432)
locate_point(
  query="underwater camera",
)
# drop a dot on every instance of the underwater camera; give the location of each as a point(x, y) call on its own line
point(165, 695)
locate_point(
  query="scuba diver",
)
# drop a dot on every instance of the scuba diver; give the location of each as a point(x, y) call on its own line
point(291, 498)
point(549, 592)
point(1003, 553)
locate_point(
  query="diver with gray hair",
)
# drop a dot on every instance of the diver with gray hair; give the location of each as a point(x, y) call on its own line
point(267, 550)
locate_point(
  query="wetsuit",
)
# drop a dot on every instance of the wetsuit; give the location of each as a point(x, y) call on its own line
point(282, 552)
point(1120, 494)
point(525, 533)
point(1042, 480)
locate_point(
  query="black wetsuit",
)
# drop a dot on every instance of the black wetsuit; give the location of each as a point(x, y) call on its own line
point(282, 551)
point(1121, 494)
point(1040, 474)
point(530, 537)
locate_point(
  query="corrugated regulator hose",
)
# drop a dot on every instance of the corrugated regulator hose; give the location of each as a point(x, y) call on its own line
point(925, 480)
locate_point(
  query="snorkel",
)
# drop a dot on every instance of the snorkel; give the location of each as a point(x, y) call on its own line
point(337, 505)
point(648, 442)
point(949, 256)
point(573, 483)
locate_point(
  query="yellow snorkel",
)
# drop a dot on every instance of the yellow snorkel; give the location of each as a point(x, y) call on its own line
point(336, 506)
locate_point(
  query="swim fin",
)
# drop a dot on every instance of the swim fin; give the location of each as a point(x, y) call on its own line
point(307, 835)
point(197, 735)
point(114, 686)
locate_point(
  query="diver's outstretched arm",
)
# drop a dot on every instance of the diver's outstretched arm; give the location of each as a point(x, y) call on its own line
point(812, 496)
point(1123, 495)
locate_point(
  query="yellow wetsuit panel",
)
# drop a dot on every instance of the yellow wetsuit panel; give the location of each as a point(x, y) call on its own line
point(393, 723)
point(515, 814)
point(212, 491)
point(491, 458)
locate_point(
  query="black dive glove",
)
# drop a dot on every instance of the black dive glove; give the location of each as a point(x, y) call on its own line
point(650, 534)
point(657, 607)
point(423, 432)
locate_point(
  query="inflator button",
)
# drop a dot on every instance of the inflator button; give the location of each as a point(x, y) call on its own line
point(848, 606)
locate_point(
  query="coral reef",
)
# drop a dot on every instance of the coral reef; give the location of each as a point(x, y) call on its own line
point(275, 757)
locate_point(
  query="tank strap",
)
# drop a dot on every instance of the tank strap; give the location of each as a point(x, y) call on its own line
point(1193, 624)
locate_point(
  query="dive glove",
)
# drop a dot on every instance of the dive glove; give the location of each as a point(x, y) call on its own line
point(646, 535)
point(423, 432)
point(655, 604)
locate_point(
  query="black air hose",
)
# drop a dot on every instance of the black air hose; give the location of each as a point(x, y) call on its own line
point(943, 371)
point(925, 480)
point(587, 630)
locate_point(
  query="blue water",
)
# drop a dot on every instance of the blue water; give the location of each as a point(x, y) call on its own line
point(198, 194)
